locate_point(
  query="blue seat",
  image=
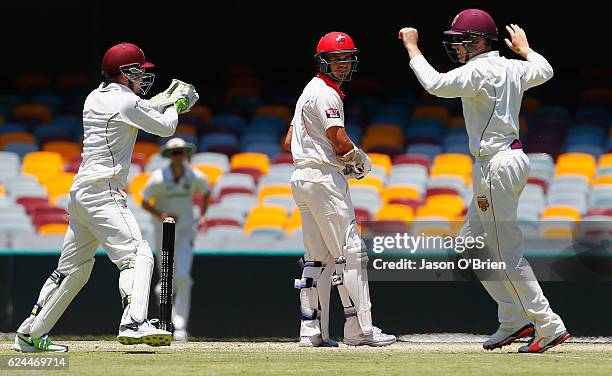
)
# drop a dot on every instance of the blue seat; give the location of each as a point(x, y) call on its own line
point(457, 148)
point(51, 100)
point(558, 111)
point(586, 129)
point(256, 138)
point(13, 128)
point(217, 139)
point(46, 132)
point(229, 121)
point(20, 148)
point(594, 150)
point(430, 150)
point(264, 123)
point(584, 139)
point(271, 150)
point(400, 120)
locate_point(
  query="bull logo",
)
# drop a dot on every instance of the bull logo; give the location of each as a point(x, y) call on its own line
point(483, 203)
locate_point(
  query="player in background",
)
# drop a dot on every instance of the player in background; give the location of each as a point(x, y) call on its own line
point(491, 90)
point(113, 114)
point(169, 193)
point(324, 158)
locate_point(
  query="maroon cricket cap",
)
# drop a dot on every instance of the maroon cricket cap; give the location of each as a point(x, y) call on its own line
point(123, 54)
point(474, 21)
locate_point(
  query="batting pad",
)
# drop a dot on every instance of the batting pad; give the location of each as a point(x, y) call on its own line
point(55, 296)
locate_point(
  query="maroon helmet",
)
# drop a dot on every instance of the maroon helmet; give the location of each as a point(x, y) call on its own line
point(466, 28)
point(129, 60)
point(336, 42)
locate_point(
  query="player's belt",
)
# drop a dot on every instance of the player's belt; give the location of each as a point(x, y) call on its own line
point(516, 144)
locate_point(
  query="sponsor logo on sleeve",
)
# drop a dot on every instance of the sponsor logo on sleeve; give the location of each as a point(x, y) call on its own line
point(332, 113)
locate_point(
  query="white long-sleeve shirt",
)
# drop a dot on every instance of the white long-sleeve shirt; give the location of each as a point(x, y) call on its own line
point(491, 90)
point(112, 116)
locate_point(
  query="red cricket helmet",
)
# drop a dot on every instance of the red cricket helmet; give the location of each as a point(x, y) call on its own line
point(129, 60)
point(336, 42)
point(465, 30)
point(121, 55)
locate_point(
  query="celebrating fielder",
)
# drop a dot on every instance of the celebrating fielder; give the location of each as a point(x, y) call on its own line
point(324, 157)
point(112, 115)
point(491, 88)
point(169, 192)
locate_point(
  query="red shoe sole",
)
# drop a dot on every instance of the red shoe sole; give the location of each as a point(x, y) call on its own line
point(522, 333)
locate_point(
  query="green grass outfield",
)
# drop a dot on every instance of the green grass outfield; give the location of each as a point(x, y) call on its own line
point(280, 358)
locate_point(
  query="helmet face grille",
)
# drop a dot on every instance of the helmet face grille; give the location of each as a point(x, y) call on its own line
point(324, 65)
point(137, 76)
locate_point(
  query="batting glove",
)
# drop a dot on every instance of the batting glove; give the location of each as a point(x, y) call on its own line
point(356, 162)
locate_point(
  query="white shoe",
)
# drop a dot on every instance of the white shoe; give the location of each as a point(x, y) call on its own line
point(503, 336)
point(317, 341)
point(144, 332)
point(376, 339)
point(181, 335)
point(26, 344)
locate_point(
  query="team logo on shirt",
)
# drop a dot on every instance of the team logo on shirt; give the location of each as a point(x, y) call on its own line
point(332, 113)
point(483, 203)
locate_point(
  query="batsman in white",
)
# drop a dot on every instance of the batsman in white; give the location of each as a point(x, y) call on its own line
point(324, 158)
point(169, 193)
point(491, 90)
point(112, 115)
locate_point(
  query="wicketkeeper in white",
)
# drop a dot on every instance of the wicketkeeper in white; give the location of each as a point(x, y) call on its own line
point(169, 193)
point(112, 115)
point(324, 158)
point(491, 90)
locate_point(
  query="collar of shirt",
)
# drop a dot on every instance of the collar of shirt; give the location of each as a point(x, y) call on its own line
point(485, 55)
point(331, 84)
point(168, 173)
point(114, 86)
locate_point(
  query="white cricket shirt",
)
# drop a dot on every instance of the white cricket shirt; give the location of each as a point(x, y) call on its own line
point(491, 90)
point(112, 116)
point(175, 197)
point(318, 108)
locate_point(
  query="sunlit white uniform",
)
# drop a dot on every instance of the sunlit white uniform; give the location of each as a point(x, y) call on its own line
point(176, 197)
point(491, 90)
point(98, 212)
point(321, 192)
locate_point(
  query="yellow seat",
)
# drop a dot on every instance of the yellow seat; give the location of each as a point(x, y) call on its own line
point(400, 191)
point(273, 217)
point(445, 205)
point(432, 111)
point(453, 159)
point(576, 163)
point(147, 148)
point(58, 185)
point(39, 111)
point(66, 149)
point(272, 190)
point(185, 129)
point(381, 160)
point(605, 160)
point(370, 181)
point(252, 160)
point(294, 223)
point(371, 140)
point(389, 130)
point(450, 170)
point(42, 164)
point(2, 191)
point(456, 122)
point(603, 180)
point(212, 172)
point(395, 212)
point(558, 233)
point(53, 229)
point(530, 105)
point(561, 212)
point(16, 137)
point(279, 111)
point(137, 184)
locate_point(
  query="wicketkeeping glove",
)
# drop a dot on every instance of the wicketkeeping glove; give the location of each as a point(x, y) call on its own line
point(356, 162)
point(179, 94)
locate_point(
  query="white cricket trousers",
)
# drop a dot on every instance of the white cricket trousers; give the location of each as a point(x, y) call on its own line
point(98, 215)
point(498, 183)
point(329, 231)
